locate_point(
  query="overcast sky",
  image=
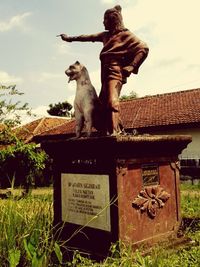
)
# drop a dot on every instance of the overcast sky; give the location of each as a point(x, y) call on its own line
point(35, 60)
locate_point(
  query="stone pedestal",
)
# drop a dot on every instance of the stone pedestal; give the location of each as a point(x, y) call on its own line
point(116, 188)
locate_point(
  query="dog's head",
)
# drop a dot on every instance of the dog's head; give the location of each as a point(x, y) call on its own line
point(74, 71)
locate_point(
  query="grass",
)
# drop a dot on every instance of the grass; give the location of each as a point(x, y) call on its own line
point(190, 206)
point(25, 228)
point(190, 201)
point(159, 257)
point(26, 233)
point(189, 188)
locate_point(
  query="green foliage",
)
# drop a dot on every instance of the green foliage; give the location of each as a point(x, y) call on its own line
point(190, 204)
point(37, 259)
point(26, 232)
point(9, 109)
point(18, 159)
point(26, 154)
point(190, 201)
point(60, 109)
point(190, 187)
point(159, 256)
point(14, 257)
point(58, 252)
point(132, 95)
point(15, 155)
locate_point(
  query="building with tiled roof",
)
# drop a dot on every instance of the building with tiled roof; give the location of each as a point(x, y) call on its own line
point(163, 111)
point(37, 127)
point(169, 113)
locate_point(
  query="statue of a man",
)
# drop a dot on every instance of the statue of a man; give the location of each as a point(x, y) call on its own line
point(122, 54)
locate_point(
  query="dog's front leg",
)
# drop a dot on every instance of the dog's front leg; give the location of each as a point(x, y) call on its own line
point(79, 123)
point(88, 122)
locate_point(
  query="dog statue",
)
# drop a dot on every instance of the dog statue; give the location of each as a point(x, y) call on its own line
point(86, 99)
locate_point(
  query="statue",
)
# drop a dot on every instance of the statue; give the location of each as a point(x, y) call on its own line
point(122, 54)
point(86, 102)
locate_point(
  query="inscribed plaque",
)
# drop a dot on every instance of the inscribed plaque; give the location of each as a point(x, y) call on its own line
point(150, 174)
point(86, 200)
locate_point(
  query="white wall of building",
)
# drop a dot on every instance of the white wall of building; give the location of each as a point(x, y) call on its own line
point(193, 149)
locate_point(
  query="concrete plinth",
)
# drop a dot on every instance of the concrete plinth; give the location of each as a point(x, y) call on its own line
point(116, 188)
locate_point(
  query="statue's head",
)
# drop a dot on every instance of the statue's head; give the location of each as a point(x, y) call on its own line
point(113, 19)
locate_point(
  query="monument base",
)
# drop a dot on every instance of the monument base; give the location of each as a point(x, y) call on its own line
point(115, 188)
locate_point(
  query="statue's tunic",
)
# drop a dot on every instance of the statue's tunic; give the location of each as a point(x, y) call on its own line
point(119, 51)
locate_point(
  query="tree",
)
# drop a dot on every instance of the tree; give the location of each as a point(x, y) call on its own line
point(21, 162)
point(9, 110)
point(16, 157)
point(60, 109)
point(132, 95)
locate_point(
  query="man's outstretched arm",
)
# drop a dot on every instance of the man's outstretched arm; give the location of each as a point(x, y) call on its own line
point(83, 38)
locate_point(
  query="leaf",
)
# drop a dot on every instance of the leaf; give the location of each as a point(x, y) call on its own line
point(38, 261)
point(26, 248)
point(14, 257)
point(30, 248)
point(58, 252)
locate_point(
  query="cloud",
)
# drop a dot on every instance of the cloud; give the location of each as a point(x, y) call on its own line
point(168, 62)
point(46, 76)
point(195, 67)
point(173, 26)
point(95, 77)
point(63, 48)
point(40, 111)
point(17, 21)
point(117, 2)
point(108, 1)
point(170, 30)
point(37, 113)
point(5, 78)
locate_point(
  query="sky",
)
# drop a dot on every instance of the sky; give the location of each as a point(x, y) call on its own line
point(33, 58)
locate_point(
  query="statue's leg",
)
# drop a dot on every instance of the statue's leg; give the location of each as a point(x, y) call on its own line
point(103, 97)
point(113, 112)
point(109, 97)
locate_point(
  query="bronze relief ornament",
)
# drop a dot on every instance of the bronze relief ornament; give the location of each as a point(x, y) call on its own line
point(150, 200)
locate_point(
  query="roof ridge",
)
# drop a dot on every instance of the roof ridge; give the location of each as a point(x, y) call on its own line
point(175, 92)
point(36, 132)
point(49, 118)
point(161, 95)
point(66, 121)
point(39, 124)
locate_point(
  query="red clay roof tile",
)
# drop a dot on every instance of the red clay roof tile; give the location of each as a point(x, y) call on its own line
point(37, 127)
point(166, 109)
